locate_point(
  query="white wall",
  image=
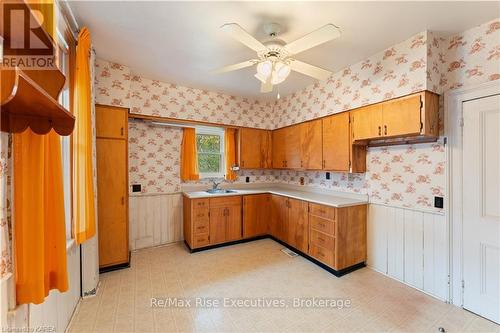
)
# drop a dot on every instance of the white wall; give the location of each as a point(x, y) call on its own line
point(410, 246)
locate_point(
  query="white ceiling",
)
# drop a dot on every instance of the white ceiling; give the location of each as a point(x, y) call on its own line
point(180, 42)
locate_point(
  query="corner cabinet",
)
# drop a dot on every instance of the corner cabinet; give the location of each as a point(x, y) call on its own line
point(255, 148)
point(298, 146)
point(411, 118)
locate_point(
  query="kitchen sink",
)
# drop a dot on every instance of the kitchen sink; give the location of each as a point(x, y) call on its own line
point(219, 191)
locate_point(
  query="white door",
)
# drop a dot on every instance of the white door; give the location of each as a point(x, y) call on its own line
point(481, 206)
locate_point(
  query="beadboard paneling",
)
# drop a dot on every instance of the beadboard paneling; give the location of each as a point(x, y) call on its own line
point(155, 220)
point(410, 246)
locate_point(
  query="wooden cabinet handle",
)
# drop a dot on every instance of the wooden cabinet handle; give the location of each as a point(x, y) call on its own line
point(301, 163)
point(121, 131)
point(123, 200)
point(321, 239)
point(379, 131)
point(385, 129)
point(242, 163)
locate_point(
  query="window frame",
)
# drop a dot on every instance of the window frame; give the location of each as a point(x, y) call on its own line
point(219, 131)
point(64, 63)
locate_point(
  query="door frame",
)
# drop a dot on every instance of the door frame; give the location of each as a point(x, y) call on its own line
point(453, 126)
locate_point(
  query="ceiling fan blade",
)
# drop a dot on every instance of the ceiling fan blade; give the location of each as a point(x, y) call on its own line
point(310, 70)
point(266, 87)
point(235, 67)
point(242, 36)
point(315, 38)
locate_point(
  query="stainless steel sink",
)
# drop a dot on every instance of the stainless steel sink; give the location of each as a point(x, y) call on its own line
point(219, 191)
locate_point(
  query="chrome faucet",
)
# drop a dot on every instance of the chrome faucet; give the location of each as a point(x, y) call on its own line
point(215, 184)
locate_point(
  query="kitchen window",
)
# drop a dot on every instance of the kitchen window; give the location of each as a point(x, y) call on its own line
point(210, 148)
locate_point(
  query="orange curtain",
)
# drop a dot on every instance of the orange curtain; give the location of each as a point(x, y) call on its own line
point(39, 231)
point(230, 152)
point(83, 168)
point(189, 155)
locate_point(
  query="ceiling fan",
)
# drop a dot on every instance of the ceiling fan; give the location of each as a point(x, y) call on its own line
point(275, 58)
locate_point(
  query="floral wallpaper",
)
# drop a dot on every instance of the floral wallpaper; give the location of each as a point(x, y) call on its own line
point(112, 83)
point(407, 176)
point(404, 176)
point(5, 222)
point(152, 97)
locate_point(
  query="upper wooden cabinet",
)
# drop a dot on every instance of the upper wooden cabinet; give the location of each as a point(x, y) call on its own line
point(279, 148)
point(111, 122)
point(336, 142)
point(311, 143)
point(298, 146)
point(410, 116)
point(255, 148)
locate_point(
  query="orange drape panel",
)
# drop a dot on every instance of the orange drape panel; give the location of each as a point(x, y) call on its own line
point(189, 155)
point(39, 231)
point(83, 169)
point(230, 152)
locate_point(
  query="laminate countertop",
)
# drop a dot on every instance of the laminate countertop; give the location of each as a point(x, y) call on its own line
point(337, 201)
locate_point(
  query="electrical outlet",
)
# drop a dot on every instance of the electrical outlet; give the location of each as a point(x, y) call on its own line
point(438, 202)
point(327, 175)
point(136, 187)
point(301, 180)
point(247, 179)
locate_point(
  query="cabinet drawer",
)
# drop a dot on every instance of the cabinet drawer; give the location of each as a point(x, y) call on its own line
point(200, 213)
point(322, 254)
point(200, 203)
point(321, 239)
point(323, 225)
point(322, 211)
point(201, 227)
point(200, 240)
point(225, 201)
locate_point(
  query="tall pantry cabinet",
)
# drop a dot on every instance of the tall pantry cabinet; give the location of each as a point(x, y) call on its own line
point(112, 185)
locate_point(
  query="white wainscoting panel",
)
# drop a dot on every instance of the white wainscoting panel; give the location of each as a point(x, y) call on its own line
point(410, 246)
point(155, 220)
point(58, 307)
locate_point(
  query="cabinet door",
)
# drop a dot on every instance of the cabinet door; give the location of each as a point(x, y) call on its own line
point(278, 144)
point(336, 142)
point(402, 116)
point(298, 226)
point(311, 145)
point(279, 218)
point(292, 147)
point(217, 225)
point(233, 223)
point(250, 148)
point(367, 122)
point(266, 148)
point(111, 122)
point(112, 201)
point(256, 214)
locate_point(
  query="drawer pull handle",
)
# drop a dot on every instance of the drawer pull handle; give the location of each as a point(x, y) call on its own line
point(200, 228)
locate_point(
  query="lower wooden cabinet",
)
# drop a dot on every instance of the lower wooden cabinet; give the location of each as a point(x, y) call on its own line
point(210, 221)
point(256, 215)
point(334, 236)
point(337, 235)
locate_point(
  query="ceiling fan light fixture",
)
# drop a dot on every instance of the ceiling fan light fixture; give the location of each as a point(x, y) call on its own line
point(280, 73)
point(261, 78)
point(265, 68)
